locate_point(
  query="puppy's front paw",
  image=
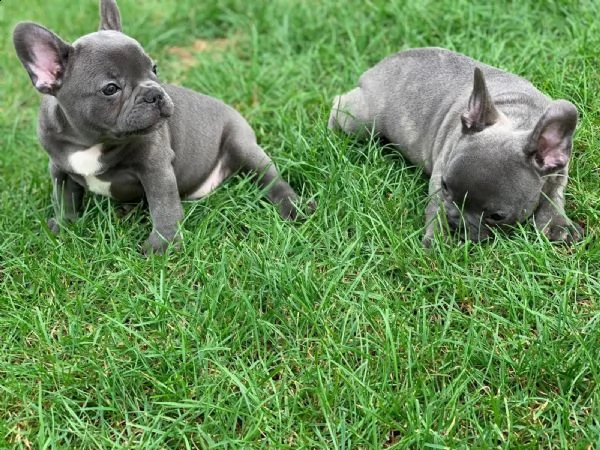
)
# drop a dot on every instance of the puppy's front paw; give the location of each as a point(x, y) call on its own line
point(563, 231)
point(156, 244)
point(427, 241)
point(431, 231)
point(292, 208)
point(53, 225)
point(287, 206)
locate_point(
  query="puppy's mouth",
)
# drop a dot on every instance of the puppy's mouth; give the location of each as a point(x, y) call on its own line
point(148, 114)
point(146, 130)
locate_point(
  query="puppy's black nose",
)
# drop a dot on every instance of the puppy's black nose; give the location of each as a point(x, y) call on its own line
point(153, 96)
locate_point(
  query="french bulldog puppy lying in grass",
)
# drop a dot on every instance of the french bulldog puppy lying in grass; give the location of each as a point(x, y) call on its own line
point(496, 149)
point(112, 128)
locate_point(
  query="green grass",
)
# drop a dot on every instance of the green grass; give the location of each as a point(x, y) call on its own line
point(341, 332)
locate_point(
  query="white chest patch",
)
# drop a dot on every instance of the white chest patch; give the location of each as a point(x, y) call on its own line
point(87, 162)
point(216, 177)
point(97, 186)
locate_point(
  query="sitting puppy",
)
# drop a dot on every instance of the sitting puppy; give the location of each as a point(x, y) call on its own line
point(112, 128)
point(496, 148)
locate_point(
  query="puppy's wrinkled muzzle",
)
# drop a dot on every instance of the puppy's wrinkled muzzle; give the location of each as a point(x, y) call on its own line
point(153, 94)
point(165, 105)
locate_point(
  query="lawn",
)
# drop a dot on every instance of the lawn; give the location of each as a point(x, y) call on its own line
point(339, 332)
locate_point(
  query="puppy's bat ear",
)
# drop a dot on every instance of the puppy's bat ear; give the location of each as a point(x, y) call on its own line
point(110, 18)
point(43, 54)
point(550, 141)
point(481, 111)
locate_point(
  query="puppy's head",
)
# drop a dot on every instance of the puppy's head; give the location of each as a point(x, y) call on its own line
point(496, 174)
point(104, 82)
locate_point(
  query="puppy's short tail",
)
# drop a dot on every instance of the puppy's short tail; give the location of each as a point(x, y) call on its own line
point(350, 113)
point(332, 124)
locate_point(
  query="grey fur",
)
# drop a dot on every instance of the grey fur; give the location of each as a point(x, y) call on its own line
point(496, 149)
point(159, 142)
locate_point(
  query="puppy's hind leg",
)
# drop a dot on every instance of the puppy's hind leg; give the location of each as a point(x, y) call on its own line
point(248, 157)
point(351, 113)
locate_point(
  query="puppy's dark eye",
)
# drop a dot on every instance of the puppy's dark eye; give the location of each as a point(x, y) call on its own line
point(154, 69)
point(110, 89)
point(444, 186)
point(497, 217)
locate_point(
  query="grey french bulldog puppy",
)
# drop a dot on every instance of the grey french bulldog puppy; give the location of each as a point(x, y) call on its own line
point(496, 149)
point(111, 127)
